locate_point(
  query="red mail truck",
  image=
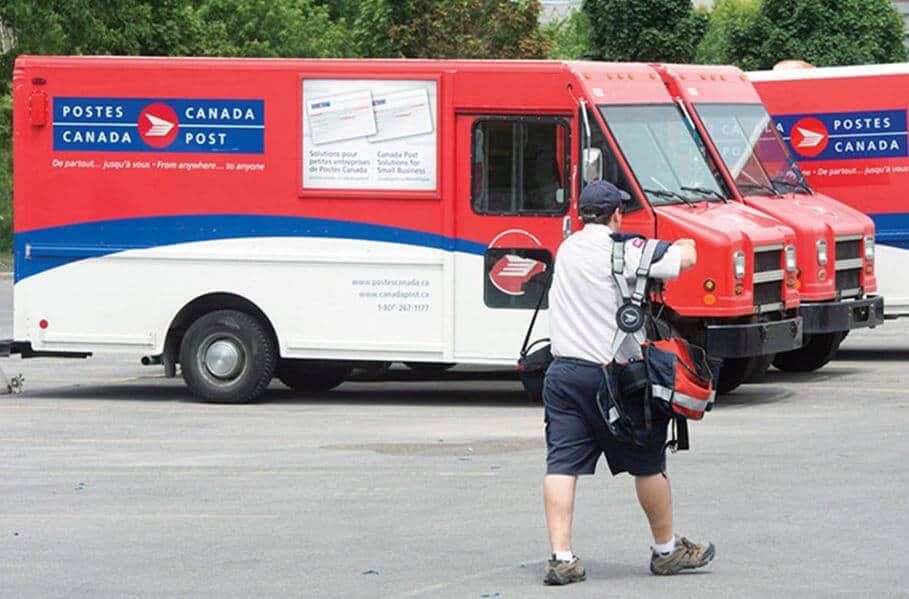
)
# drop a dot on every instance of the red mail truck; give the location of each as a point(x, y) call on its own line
point(835, 281)
point(846, 127)
point(256, 218)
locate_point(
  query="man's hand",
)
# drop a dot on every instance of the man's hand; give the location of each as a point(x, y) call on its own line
point(689, 253)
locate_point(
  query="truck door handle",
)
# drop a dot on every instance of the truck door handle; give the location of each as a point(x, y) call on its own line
point(566, 227)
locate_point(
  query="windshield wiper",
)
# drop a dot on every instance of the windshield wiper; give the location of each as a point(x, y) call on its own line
point(760, 186)
point(706, 191)
point(792, 184)
point(668, 194)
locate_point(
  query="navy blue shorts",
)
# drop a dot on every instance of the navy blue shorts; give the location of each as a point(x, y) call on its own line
point(576, 434)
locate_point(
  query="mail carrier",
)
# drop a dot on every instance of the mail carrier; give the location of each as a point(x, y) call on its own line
point(250, 219)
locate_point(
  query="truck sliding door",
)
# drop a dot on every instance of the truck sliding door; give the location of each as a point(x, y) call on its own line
point(514, 205)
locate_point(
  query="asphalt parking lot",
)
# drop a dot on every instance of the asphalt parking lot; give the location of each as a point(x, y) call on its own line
point(117, 484)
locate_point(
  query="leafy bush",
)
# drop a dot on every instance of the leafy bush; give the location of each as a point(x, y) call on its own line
point(755, 34)
point(645, 30)
point(571, 37)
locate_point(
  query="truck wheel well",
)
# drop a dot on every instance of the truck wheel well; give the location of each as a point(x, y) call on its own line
point(199, 307)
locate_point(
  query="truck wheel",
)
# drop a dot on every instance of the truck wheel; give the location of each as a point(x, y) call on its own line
point(307, 377)
point(732, 374)
point(814, 353)
point(757, 366)
point(429, 367)
point(227, 357)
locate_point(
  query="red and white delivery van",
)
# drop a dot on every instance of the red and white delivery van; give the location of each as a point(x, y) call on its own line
point(251, 218)
point(846, 126)
point(835, 280)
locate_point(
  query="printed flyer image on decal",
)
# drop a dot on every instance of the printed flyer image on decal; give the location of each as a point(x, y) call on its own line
point(340, 117)
point(369, 134)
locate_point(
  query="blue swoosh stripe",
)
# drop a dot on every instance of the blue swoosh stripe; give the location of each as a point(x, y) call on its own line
point(892, 229)
point(56, 246)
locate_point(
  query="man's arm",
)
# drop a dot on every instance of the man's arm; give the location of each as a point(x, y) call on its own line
point(689, 253)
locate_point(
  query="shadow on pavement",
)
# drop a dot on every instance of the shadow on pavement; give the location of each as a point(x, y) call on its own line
point(873, 355)
point(354, 393)
point(753, 395)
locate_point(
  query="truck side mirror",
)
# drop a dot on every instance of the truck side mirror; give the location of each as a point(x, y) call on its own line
point(593, 164)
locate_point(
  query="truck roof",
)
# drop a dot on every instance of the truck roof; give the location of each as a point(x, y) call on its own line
point(609, 82)
point(711, 83)
point(865, 70)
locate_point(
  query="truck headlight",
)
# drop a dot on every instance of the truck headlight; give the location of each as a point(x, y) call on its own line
point(790, 258)
point(869, 247)
point(738, 264)
point(822, 252)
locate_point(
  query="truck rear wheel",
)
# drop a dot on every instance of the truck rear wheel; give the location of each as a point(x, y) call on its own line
point(816, 351)
point(228, 357)
point(309, 377)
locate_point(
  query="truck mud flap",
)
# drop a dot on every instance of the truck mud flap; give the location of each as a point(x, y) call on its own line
point(829, 317)
point(757, 339)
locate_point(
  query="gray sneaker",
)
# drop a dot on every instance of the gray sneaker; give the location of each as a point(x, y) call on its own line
point(558, 572)
point(687, 556)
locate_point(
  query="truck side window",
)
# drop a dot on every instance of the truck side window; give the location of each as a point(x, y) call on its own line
point(520, 166)
point(612, 171)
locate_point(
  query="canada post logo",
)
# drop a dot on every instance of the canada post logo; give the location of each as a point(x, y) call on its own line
point(511, 272)
point(845, 135)
point(159, 125)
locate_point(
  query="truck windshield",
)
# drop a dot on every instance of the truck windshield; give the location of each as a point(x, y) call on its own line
point(753, 152)
point(663, 154)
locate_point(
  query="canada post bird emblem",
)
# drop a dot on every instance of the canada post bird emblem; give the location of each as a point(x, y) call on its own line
point(511, 271)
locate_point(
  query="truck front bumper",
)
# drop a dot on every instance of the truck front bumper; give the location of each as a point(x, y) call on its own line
point(843, 315)
point(754, 339)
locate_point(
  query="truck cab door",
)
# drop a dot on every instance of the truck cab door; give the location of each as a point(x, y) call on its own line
point(516, 200)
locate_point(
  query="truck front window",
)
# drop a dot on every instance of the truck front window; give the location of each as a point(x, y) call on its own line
point(663, 154)
point(752, 149)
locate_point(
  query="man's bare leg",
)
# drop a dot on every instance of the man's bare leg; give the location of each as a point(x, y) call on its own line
point(558, 494)
point(655, 497)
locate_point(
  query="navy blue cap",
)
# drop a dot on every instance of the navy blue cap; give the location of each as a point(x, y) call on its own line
point(603, 195)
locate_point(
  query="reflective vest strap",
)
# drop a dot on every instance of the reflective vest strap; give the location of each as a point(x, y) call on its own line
point(686, 401)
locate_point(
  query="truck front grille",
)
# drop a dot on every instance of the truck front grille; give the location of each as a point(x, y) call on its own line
point(848, 247)
point(849, 282)
point(766, 294)
point(768, 259)
point(768, 277)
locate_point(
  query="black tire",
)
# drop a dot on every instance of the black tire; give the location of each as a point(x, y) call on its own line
point(308, 377)
point(732, 374)
point(429, 367)
point(757, 366)
point(239, 378)
point(816, 351)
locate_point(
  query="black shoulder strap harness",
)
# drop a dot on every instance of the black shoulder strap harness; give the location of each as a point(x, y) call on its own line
point(631, 319)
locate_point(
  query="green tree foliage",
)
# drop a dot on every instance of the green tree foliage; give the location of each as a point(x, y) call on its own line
point(272, 28)
point(730, 37)
point(756, 34)
point(571, 37)
point(451, 29)
point(645, 30)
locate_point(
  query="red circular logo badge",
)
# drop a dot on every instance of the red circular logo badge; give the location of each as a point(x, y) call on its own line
point(809, 137)
point(158, 125)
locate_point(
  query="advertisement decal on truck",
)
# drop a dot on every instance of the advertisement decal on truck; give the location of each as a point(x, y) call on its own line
point(369, 134)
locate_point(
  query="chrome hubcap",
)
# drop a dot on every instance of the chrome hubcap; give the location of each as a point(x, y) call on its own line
point(223, 358)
